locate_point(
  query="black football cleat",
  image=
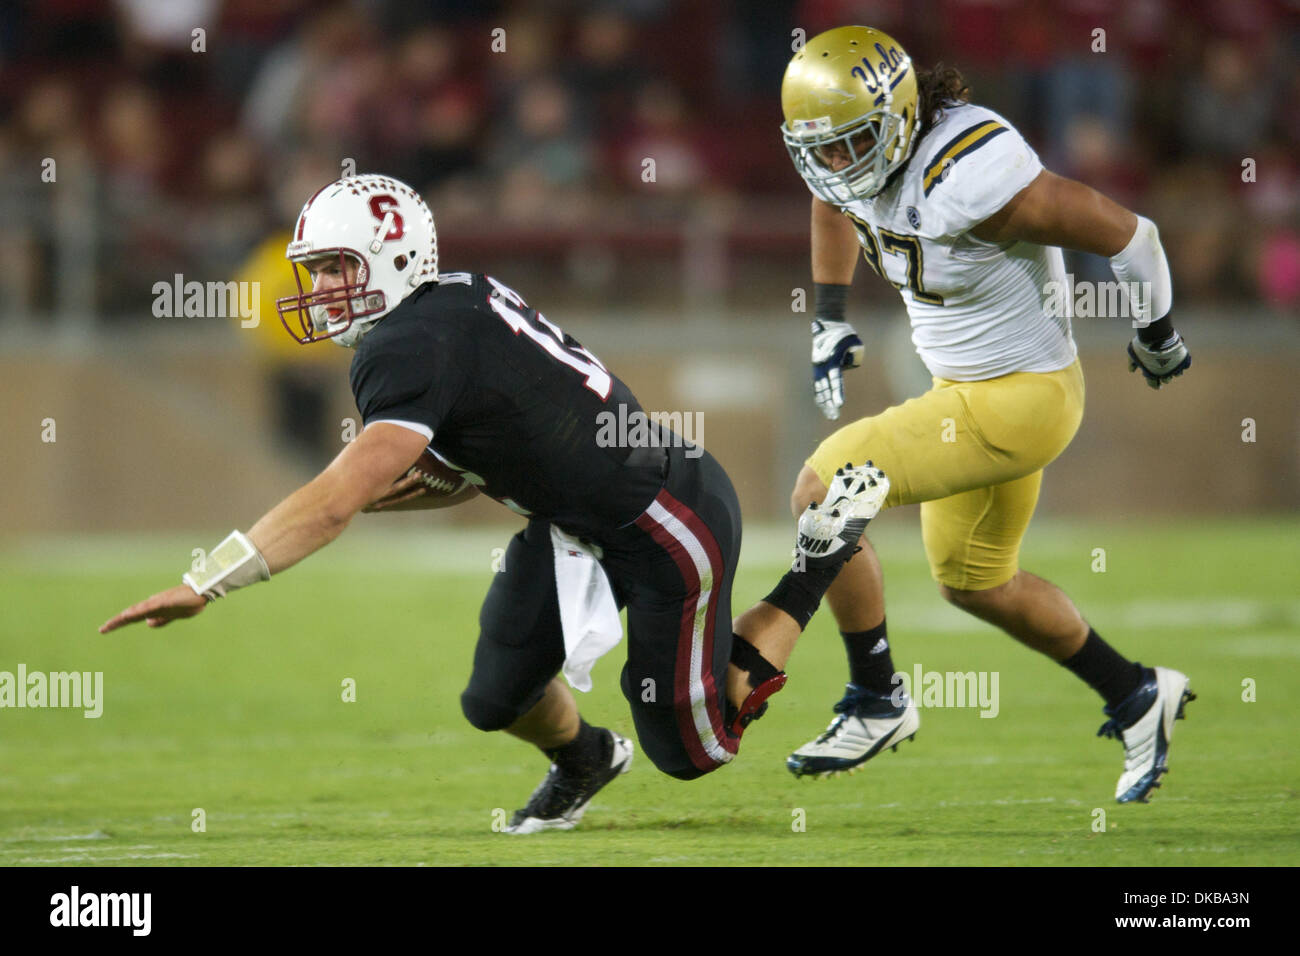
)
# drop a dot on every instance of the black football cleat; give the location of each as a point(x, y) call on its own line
point(561, 799)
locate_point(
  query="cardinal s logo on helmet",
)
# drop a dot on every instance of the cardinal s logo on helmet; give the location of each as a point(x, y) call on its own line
point(850, 103)
point(379, 235)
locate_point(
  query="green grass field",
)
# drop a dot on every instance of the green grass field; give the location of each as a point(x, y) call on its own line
point(240, 713)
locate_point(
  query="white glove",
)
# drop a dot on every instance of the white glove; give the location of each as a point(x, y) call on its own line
point(1159, 365)
point(835, 347)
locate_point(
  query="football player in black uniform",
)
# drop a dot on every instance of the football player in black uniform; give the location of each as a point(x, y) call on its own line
point(462, 367)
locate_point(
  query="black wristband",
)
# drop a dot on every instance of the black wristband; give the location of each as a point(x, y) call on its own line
point(830, 300)
point(1156, 333)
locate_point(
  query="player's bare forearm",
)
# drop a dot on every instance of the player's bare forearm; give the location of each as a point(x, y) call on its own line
point(317, 513)
point(1055, 211)
point(301, 524)
point(834, 245)
point(307, 520)
point(288, 533)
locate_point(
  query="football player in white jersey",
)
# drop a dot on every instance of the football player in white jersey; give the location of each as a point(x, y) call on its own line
point(948, 203)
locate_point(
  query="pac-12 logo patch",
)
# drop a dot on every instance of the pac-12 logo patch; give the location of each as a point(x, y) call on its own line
point(914, 217)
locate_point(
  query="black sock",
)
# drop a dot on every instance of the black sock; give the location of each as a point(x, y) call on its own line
point(1104, 669)
point(799, 592)
point(585, 752)
point(870, 663)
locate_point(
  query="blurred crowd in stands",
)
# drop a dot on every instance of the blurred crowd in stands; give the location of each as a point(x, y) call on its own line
point(527, 126)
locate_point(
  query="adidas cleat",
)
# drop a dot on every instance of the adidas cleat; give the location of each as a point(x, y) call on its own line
point(1144, 722)
point(866, 725)
point(829, 534)
point(561, 799)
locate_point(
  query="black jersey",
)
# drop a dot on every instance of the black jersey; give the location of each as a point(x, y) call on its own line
point(511, 400)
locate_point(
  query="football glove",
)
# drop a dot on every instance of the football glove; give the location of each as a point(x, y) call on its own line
point(1159, 365)
point(835, 347)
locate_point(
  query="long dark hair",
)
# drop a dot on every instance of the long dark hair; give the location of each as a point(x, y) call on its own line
point(936, 88)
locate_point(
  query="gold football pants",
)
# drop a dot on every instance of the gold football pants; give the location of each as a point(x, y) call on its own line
point(972, 454)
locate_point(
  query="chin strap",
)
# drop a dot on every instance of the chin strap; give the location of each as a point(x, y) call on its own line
point(765, 680)
point(377, 243)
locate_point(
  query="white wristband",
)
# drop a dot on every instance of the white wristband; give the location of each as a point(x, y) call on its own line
point(1143, 269)
point(234, 563)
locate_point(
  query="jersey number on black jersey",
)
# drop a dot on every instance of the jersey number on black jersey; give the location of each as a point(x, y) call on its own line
point(508, 304)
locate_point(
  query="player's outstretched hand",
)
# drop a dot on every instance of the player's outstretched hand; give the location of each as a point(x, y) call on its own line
point(163, 607)
point(1159, 366)
point(835, 347)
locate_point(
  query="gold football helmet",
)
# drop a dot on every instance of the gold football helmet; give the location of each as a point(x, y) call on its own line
point(850, 103)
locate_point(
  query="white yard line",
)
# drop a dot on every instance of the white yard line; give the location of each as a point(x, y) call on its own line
point(101, 859)
point(97, 835)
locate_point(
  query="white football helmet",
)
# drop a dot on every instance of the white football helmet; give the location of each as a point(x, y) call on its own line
point(386, 229)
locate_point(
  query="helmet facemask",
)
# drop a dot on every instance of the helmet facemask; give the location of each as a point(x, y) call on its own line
point(311, 309)
point(870, 163)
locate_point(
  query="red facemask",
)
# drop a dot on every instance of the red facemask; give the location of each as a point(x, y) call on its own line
point(349, 296)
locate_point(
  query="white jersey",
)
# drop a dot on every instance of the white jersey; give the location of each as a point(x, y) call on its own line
point(978, 309)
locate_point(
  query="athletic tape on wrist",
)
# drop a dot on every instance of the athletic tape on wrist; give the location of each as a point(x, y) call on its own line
point(234, 563)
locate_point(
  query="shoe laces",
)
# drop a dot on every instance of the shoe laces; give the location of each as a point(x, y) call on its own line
point(846, 707)
point(834, 729)
point(1111, 729)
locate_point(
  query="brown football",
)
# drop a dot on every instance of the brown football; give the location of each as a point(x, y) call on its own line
point(436, 476)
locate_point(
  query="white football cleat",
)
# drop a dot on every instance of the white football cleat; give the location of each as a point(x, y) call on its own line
point(829, 533)
point(561, 799)
point(866, 725)
point(1144, 722)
